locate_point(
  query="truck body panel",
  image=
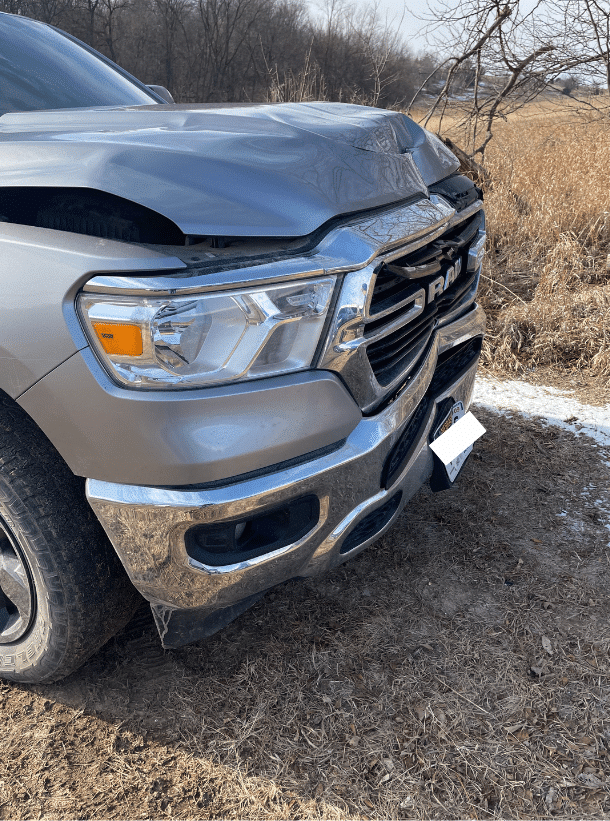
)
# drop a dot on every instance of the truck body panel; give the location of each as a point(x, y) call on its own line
point(42, 271)
point(188, 437)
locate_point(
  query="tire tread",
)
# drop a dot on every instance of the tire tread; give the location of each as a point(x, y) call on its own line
point(89, 595)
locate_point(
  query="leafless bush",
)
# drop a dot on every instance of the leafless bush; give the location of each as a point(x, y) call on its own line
point(496, 56)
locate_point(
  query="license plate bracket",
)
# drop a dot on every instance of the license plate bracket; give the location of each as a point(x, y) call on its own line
point(451, 452)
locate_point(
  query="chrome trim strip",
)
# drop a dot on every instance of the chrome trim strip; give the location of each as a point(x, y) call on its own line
point(466, 213)
point(477, 251)
point(419, 304)
point(418, 292)
point(458, 216)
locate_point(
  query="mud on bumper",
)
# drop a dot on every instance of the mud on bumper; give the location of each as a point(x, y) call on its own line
point(203, 555)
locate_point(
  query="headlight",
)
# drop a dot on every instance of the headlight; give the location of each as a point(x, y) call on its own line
point(204, 339)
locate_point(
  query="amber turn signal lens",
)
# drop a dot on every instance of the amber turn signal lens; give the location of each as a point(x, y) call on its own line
point(121, 340)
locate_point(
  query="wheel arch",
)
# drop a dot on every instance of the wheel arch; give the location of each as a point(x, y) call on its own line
point(13, 415)
point(77, 593)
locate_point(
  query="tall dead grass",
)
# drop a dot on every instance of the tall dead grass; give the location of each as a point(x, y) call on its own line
point(546, 283)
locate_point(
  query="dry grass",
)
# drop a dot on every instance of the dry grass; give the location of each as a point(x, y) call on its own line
point(459, 668)
point(546, 283)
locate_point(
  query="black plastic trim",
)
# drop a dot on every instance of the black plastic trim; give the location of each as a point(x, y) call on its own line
point(221, 543)
point(371, 524)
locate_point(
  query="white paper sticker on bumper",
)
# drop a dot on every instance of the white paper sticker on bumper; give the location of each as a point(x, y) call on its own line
point(453, 446)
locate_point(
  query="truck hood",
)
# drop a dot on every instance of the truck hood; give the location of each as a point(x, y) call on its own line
point(229, 170)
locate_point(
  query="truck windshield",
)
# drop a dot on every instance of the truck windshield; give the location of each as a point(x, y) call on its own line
point(40, 68)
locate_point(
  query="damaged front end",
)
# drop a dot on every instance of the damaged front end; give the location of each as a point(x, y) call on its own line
point(403, 340)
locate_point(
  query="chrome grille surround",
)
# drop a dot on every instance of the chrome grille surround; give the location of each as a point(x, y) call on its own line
point(376, 349)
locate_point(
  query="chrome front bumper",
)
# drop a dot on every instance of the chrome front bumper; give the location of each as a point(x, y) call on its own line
point(147, 525)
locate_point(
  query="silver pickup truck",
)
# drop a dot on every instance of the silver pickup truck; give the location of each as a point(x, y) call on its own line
point(230, 336)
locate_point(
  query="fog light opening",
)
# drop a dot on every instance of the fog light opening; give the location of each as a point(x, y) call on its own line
point(226, 543)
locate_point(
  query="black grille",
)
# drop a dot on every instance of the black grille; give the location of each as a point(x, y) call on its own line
point(390, 355)
point(394, 289)
point(371, 524)
point(453, 361)
point(403, 449)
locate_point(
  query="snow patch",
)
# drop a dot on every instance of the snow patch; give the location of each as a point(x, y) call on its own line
point(554, 407)
point(550, 404)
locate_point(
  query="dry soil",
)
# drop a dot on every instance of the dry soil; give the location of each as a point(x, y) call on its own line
point(458, 668)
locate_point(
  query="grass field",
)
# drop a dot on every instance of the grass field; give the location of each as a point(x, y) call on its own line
point(546, 283)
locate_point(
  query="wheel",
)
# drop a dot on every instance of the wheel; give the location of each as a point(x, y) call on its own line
point(63, 590)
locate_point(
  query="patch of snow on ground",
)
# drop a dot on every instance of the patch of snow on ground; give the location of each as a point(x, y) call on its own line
point(551, 404)
point(553, 407)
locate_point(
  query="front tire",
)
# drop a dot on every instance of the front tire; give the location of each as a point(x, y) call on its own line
point(63, 590)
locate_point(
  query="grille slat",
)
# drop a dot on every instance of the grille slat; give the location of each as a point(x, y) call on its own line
point(384, 350)
point(389, 290)
point(396, 351)
point(416, 271)
point(392, 360)
point(388, 365)
point(402, 303)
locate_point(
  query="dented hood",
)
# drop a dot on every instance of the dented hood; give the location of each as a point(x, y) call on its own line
point(229, 170)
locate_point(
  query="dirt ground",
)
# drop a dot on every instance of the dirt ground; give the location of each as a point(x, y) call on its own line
point(460, 667)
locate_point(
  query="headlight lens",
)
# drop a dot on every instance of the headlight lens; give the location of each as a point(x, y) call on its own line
point(204, 339)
